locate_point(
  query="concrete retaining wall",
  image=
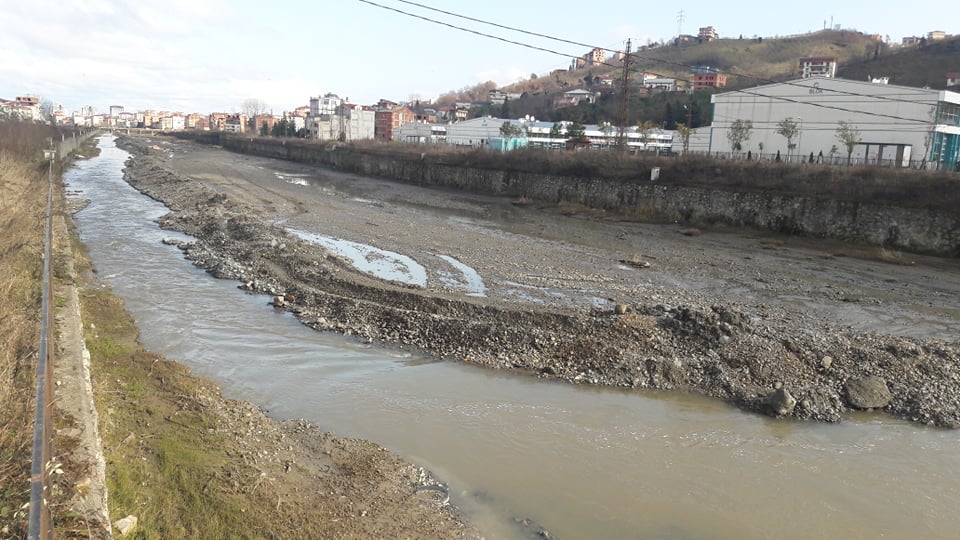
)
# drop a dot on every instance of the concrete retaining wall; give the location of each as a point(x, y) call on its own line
point(71, 143)
point(910, 229)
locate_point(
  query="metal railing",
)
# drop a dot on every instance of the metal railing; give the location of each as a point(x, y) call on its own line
point(40, 519)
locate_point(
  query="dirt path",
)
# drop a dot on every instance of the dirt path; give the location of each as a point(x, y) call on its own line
point(772, 324)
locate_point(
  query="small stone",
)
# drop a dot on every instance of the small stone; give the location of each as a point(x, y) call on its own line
point(778, 385)
point(126, 525)
point(781, 402)
point(826, 362)
point(620, 309)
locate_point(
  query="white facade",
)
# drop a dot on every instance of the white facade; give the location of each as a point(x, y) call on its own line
point(355, 124)
point(421, 132)
point(818, 66)
point(326, 104)
point(474, 132)
point(897, 124)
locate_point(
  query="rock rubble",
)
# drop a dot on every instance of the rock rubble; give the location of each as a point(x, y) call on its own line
point(810, 372)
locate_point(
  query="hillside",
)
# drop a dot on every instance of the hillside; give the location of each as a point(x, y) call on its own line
point(909, 66)
point(746, 61)
point(767, 58)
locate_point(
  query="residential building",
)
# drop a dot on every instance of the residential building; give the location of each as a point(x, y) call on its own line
point(115, 110)
point(953, 79)
point(595, 57)
point(325, 104)
point(936, 35)
point(664, 84)
point(498, 97)
point(572, 98)
point(387, 120)
point(235, 123)
point(350, 123)
point(898, 125)
point(708, 33)
point(818, 66)
point(192, 121)
point(710, 79)
point(910, 40)
point(22, 107)
point(216, 121)
point(263, 122)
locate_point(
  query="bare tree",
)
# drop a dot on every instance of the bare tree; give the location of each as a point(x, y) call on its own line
point(646, 128)
point(849, 135)
point(684, 131)
point(739, 133)
point(254, 107)
point(788, 128)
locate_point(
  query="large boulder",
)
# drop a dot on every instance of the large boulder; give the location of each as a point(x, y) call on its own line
point(868, 392)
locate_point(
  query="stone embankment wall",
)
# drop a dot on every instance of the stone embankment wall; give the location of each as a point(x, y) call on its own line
point(69, 143)
point(911, 229)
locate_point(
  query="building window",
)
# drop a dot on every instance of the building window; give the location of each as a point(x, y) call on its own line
point(949, 114)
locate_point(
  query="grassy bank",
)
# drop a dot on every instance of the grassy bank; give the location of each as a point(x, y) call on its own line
point(189, 463)
point(23, 190)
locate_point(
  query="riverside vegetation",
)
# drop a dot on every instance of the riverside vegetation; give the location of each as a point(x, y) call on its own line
point(23, 180)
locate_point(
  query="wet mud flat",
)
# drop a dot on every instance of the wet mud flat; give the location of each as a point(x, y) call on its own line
point(552, 306)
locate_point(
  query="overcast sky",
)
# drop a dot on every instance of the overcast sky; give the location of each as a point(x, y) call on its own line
point(211, 55)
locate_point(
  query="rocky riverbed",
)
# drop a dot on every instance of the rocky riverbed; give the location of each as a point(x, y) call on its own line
point(584, 314)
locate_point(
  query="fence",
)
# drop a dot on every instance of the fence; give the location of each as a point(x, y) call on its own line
point(828, 161)
point(40, 520)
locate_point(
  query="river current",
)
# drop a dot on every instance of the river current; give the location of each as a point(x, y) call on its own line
point(581, 462)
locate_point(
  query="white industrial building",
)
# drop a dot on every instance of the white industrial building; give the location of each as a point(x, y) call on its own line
point(478, 132)
point(421, 132)
point(897, 125)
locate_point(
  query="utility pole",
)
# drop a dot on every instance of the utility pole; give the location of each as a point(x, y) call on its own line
point(624, 100)
point(680, 18)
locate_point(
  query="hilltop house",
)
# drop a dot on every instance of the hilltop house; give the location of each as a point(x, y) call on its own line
point(572, 98)
point(818, 66)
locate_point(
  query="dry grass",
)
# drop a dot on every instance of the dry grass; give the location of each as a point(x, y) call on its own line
point(23, 190)
point(22, 202)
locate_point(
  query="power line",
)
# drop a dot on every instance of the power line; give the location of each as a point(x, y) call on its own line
point(497, 25)
point(658, 60)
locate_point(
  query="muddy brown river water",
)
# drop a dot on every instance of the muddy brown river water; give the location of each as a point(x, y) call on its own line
point(581, 462)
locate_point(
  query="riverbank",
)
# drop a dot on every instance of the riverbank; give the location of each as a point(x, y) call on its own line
point(762, 355)
point(186, 462)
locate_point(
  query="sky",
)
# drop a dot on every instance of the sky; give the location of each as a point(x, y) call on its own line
point(212, 55)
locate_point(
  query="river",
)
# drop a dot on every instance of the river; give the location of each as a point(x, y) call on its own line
point(582, 462)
